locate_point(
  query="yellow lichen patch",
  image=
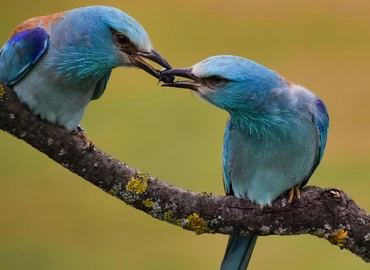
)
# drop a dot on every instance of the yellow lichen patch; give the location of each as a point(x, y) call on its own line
point(142, 176)
point(2, 91)
point(138, 184)
point(197, 224)
point(338, 238)
point(112, 192)
point(148, 203)
point(167, 216)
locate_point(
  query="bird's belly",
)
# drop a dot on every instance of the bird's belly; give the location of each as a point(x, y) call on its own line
point(52, 101)
point(262, 169)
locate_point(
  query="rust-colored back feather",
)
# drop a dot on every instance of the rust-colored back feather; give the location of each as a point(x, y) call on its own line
point(43, 21)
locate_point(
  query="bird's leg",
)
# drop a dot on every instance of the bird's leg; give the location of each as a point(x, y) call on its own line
point(80, 132)
point(294, 192)
point(297, 193)
point(291, 195)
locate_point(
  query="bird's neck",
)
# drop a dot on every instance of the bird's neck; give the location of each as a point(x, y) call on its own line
point(82, 67)
point(280, 112)
point(76, 68)
point(259, 125)
point(79, 55)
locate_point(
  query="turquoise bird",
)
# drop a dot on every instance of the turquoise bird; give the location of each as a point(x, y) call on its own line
point(274, 139)
point(58, 63)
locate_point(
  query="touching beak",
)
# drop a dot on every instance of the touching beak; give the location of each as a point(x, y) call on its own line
point(193, 83)
point(154, 56)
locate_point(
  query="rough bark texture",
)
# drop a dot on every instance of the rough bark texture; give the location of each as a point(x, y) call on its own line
point(326, 213)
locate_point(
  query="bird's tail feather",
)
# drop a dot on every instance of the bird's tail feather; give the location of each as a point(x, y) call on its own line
point(238, 252)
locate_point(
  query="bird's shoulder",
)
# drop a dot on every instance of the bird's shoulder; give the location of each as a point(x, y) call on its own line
point(44, 22)
point(28, 42)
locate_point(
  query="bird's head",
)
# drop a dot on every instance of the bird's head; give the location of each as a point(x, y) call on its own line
point(229, 82)
point(114, 38)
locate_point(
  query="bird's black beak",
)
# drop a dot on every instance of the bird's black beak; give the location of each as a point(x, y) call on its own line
point(193, 83)
point(138, 61)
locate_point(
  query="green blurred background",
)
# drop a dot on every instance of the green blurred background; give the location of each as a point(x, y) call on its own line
point(51, 219)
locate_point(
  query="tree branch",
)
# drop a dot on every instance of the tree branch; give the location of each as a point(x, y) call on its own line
point(326, 213)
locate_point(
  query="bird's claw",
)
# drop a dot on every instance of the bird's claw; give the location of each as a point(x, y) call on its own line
point(80, 129)
point(79, 132)
point(294, 192)
point(265, 206)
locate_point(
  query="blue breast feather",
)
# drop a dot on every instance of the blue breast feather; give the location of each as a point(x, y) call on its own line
point(320, 120)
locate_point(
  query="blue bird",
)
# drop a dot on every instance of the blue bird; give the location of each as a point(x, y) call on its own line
point(274, 139)
point(58, 63)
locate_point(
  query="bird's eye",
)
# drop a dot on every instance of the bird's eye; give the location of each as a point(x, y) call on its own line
point(215, 80)
point(122, 40)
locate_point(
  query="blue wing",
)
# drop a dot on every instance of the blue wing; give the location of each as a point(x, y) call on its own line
point(20, 54)
point(225, 159)
point(101, 85)
point(321, 121)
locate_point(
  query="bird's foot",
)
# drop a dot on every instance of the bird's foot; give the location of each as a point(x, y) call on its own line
point(265, 206)
point(80, 132)
point(294, 192)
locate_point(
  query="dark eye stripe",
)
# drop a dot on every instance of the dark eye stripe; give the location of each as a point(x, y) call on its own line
point(123, 42)
point(216, 79)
